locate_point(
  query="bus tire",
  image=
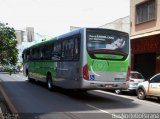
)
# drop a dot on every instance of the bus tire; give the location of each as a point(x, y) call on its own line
point(49, 82)
point(29, 79)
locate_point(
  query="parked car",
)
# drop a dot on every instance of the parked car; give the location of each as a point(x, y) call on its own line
point(134, 79)
point(7, 68)
point(149, 88)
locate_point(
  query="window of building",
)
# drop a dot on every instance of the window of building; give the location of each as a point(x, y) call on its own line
point(146, 11)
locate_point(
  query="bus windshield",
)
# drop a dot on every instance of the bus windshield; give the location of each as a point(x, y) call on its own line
point(107, 44)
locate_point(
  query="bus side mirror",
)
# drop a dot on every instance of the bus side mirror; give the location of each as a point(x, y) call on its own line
point(22, 55)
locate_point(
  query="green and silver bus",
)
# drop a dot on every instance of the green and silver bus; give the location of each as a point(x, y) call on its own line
point(87, 58)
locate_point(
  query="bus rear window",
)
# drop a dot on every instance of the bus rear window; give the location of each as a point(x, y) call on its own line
point(114, 44)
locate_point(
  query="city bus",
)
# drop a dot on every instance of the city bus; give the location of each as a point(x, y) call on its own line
point(85, 59)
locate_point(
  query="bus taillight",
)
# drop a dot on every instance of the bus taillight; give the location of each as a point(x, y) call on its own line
point(85, 72)
point(128, 74)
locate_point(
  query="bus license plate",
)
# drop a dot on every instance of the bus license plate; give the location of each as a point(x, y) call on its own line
point(108, 85)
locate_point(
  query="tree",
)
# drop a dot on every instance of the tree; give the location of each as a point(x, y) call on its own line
point(8, 50)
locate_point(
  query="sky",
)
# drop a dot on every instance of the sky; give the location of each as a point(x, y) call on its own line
point(54, 17)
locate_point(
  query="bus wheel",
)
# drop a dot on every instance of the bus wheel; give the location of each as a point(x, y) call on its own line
point(141, 94)
point(30, 79)
point(49, 83)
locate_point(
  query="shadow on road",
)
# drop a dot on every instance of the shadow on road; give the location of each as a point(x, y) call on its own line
point(29, 94)
point(35, 99)
point(134, 94)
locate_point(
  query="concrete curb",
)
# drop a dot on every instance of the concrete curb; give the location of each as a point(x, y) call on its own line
point(11, 107)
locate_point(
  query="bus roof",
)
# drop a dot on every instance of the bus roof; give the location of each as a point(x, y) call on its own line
point(77, 31)
point(56, 38)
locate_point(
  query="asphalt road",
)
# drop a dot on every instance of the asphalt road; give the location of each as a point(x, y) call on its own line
point(33, 100)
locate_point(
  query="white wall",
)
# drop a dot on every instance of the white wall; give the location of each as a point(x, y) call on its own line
point(122, 24)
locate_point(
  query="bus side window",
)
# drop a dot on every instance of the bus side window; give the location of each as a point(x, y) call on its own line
point(66, 54)
point(71, 43)
point(56, 51)
point(67, 49)
point(41, 53)
point(23, 56)
point(64, 49)
point(70, 49)
point(31, 54)
point(76, 49)
point(36, 55)
point(27, 55)
point(48, 51)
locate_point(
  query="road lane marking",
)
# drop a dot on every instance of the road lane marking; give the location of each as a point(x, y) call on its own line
point(71, 115)
point(104, 111)
point(98, 108)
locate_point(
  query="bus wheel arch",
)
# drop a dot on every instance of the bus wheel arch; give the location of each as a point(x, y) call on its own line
point(49, 81)
point(27, 75)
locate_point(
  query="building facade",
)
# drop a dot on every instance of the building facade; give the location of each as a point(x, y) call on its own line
point(145, 36)
point(30, 34)
point(24, 39)
point(26, 35)
point(121, 24)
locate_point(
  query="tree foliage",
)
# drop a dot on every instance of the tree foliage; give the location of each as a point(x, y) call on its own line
point(8, 50)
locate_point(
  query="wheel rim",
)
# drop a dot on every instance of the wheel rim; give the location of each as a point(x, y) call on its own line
point(141, 93)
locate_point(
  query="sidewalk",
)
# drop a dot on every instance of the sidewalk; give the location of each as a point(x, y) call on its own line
point(3, 105)
point(5, 112)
